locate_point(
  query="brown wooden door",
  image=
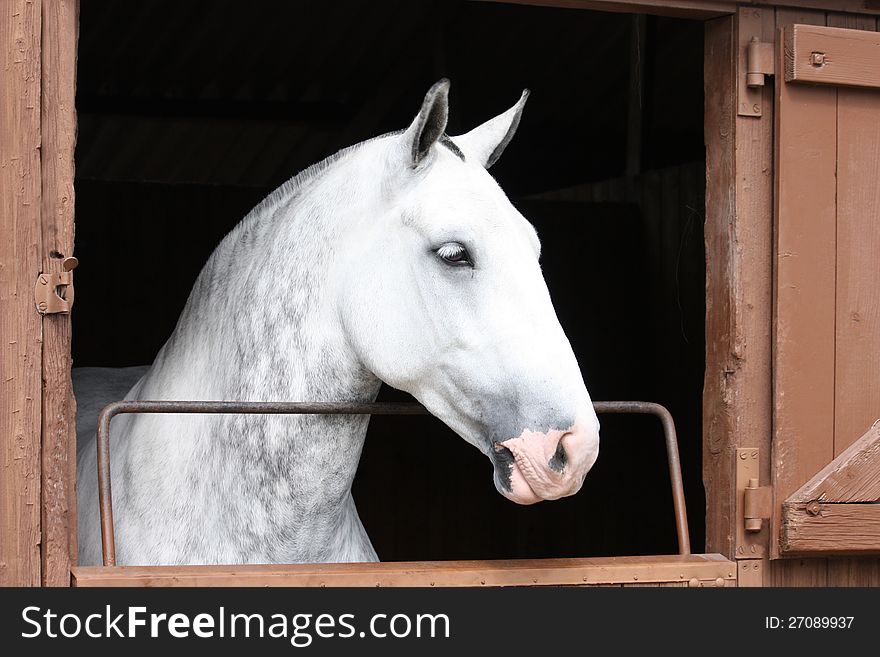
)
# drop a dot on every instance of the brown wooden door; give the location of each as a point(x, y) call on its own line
point(827, 293)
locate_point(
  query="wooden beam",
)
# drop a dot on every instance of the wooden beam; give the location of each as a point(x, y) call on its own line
point(704, 9)
point(700, 9)
point(837, 511)
point(737, 392)
point(805, 273)
point(698, 570)
point(853, 477)
point(719, 428)
point(20, 351)
point(60, 18)
point(832, 55)
point(848, 6)
point(830, 529)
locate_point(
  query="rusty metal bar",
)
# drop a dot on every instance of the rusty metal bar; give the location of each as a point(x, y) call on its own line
point(105, 497)
point(672, 458)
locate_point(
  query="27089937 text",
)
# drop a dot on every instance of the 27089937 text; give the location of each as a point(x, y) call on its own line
point(808, 622)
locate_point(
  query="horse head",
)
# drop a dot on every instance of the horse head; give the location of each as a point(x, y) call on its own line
point(442, 296)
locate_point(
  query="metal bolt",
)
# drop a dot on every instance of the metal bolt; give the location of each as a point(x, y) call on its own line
point(432, 583)
point(482, 581)
point(756, 565)
point(745, 565)
point(742, 455)
point(43, 280)
point(635, 576)
point(817, 59)
point(754, 454)
point(693, 583)
point(813, 508)
point(753, 549)
point(719, 581)
point(42, 306)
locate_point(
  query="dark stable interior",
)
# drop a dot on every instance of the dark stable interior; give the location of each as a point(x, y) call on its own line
point(190, 113)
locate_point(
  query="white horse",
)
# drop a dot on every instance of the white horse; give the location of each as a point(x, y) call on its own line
point(398, 259)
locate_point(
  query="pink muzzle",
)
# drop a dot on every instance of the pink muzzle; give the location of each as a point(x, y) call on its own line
point(550, 465)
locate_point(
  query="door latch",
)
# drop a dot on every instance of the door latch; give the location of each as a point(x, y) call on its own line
point(53, 292)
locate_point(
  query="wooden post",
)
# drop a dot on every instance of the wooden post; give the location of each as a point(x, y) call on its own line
point(737, 389)
point(20, 249)
point(60, 23)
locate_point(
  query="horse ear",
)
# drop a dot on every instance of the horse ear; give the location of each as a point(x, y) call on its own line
point(430, 123)
point(487, 142)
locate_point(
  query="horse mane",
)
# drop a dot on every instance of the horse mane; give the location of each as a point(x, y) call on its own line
point(291, 186)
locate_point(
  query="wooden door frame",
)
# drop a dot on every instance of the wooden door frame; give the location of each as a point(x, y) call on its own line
point(37, 523)
point(737, 391)
point(37, 480)
point(20, 326)
point(43, 549)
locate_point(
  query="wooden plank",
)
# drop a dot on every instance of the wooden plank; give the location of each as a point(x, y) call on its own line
point(805, 257)
point(851, 21)
point(799, 572)
point(59, 410)
point(850, 56)
point(703, 8)
point(720, 381)
point(857, 361)
point(847, 572)
point(19, 321)
point(854, 476)
point(850, 6)
point(707, 570)
point(854, 572)
point(700, 9)
point(851, 571)
point(753, 241)
point(830, 528)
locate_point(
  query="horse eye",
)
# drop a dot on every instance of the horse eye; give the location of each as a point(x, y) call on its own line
point(454, 254)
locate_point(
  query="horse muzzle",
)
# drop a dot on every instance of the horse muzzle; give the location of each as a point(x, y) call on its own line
point(538, 466)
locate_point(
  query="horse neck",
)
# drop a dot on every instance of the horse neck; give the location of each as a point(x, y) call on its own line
point(260, 323)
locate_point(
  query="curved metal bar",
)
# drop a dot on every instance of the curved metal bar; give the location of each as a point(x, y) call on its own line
point(105, 495)
point(672, 458)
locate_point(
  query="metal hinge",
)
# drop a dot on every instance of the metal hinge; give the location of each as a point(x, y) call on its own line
point(755, 64)
point(760, 62)
point(53, 292)
point(754, 505)
point(757, 505)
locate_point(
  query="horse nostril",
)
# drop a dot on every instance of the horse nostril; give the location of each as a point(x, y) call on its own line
point(559, 459)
